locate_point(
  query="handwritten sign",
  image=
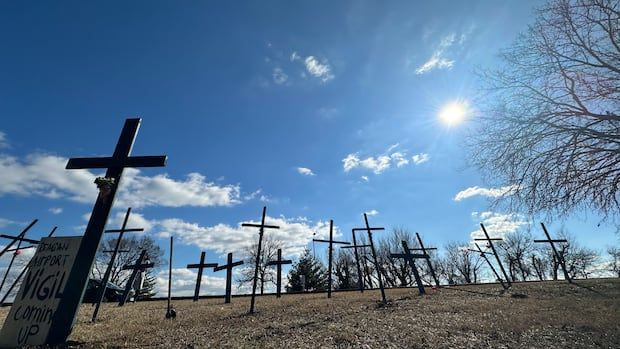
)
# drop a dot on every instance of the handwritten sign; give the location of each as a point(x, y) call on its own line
point(30, 317)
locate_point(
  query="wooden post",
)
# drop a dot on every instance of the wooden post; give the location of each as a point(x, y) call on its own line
point(374, 255)
point(409, 258)
point(428, 260)
point(559, 257)
point(135, 268)
point(483, 255)
point(278, 263)
point(228, 266)
point(499, 262)
point(200, 266)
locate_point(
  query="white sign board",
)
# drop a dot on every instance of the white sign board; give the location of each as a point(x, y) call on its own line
point(31, 314)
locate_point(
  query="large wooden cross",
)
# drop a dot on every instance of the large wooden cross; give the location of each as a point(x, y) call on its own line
point(409, 258)
point(16, 252)
point(278, 263)
point(261, 229)
point(108, 271)
point(483, 255)
point(559, 257)
point(355, 246)
point(428, 260)
point(229, 267)
point(374, 254)
point(331, 242)
point(200, 266)
point(62, 321)
point(489, 241)
point(140, 265)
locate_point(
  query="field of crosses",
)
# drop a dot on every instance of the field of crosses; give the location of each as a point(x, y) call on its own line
point(47, 308)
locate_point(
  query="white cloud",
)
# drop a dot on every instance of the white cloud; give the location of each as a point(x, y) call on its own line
point(305, 171)
point(295, 56)
point(184, 283)
point(379, 164)
point(365, 178)
point(294, 233)
point(5, 222)
point(438, 59)
point(497, 224)
point(55, 210)
point(488, 192)
point(420, 158)
point(279, 77)
point(318, 69)
point(372, 213)
point(45, 175)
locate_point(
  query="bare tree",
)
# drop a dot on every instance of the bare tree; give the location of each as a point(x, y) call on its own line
point(266, 275)
point(345, 270)
point(515, 249)
point(550, 115)
point(466, 263)
point(134, 247)
point(396, 271)
point(614, 265)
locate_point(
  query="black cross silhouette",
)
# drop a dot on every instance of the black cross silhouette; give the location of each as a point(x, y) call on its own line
point(229, 267)
point(428, 260)
point(200, 266)
point(374, 254)
point(483, 255)
point(555, 252)
point(331, 242)
point(278, 263)
point(261, 229)
point(135, 268)
point(409, 258)
point(355, 246)
point(490, 244)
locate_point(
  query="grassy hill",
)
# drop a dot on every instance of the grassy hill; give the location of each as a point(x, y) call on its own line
point(529, 315)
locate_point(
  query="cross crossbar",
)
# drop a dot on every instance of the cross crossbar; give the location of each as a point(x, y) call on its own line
point(332, 241)
point(138, 266)
point(559, 240)
point(204, 265)
point(260, 226)
point(490, 239)
point(365, 229)
point(409, 255)
point(226, 266)
point(124, 230)
point(355, 246)
point(423, 249)
point(284, 261)
point(19, 238)
point(108, 162)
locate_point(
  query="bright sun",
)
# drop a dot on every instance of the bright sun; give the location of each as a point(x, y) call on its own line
point(454, 113)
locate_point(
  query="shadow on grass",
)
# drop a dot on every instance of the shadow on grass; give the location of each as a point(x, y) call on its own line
point(589, 289)
point(501, 292)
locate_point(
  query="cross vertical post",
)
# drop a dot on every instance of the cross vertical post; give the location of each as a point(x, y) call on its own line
point(490, 243)
point(261, 229)
point(409, 257)
point(428, 260)
point(331, 242)
point(228, 266)
point(19, 237)
point(278, 263)
point(369, 230)
point(169, 307)
point(62, 322)
point(483, 255)
point(555, 251)
point(135, 268)
point(200, 266)
point(108, 271)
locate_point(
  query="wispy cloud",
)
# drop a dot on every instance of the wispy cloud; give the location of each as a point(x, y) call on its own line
point(381, 163)
point(420, 158)
point(56, 210)
point(372, 213)
point(437, 59)
point(318, 69)
point(278, 76)
point(3, 141)
point(488, 192)
point(305, 171)
point(365, 178)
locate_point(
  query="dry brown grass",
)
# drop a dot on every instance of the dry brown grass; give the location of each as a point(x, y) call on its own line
point(553, 315)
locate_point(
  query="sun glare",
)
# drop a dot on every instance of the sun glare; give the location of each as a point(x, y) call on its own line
point(453, 113)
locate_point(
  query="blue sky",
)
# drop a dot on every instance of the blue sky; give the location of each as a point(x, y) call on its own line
point(318, 110)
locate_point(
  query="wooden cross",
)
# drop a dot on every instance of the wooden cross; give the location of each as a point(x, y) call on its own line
point(108, 271)
point(261, 228)
point(63, 320)
point(483, 255)
point(20, 237)
point(16, 252)
point(200, 266)
point(138, 266)
point(555, 252)
point(331, 242)
point(409, 258)
point(229, 267)
point(355, 246)
point(374, 255)
point(428, 260)
point(278, 263)
point(490, 244)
